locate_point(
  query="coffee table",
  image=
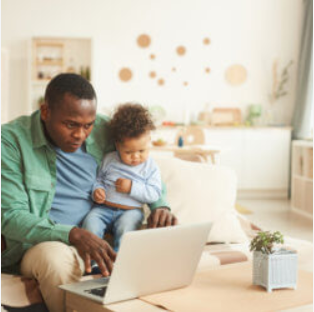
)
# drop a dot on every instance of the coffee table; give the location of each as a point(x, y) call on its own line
point(80, 304)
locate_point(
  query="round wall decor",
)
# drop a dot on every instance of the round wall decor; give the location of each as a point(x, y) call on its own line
point(236, 74)
point(181, 50)
point(143, 41)
point(125, 74)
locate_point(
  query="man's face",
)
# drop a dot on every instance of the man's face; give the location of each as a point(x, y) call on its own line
point(70, 122)
point(134, 151)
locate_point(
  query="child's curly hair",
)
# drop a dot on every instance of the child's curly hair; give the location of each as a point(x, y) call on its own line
point(130, 120)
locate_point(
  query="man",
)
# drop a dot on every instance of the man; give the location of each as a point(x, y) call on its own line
point(49, 164)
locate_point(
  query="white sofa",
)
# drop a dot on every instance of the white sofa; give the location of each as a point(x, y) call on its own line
point(197, 192)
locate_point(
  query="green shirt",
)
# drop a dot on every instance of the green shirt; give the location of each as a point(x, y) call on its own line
point(28, 177)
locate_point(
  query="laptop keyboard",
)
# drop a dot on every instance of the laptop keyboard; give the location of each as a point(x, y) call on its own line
point(102, 280)
point(100, 292)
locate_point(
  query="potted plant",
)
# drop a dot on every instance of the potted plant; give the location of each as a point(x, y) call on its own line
point(273, 267)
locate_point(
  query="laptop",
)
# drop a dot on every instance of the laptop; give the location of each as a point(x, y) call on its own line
point(149, 261)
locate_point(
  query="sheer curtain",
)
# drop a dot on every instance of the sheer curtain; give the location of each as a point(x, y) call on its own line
point(302, 122)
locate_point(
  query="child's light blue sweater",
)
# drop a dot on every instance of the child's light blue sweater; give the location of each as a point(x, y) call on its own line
point(146, 181)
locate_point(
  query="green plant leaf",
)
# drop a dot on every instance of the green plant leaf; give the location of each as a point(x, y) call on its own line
point(264, 241)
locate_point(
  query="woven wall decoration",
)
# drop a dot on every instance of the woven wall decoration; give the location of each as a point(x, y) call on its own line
point(143, 41)
point(236, 74)
point(125, 74)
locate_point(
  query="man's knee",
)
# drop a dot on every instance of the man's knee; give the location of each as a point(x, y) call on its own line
point(47, 258)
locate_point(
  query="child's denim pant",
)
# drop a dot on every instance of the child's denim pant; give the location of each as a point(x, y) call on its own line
point(102, 219)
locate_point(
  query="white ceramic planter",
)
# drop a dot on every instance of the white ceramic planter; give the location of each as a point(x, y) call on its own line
point(277, 270)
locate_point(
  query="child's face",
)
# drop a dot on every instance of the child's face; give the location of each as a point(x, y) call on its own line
point(134, 151)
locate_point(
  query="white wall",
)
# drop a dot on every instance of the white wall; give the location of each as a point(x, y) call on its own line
point(4, 85)
point(248, 32)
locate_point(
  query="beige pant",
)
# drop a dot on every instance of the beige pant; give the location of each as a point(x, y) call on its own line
point(53, 264)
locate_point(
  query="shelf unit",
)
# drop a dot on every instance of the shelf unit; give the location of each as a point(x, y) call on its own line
point(302, 177)
point(48, 58)
point(51, 56)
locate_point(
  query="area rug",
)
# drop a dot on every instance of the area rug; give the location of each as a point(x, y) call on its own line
point(229, 288)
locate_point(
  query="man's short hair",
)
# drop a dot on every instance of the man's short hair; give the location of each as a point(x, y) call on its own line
point(73, 84)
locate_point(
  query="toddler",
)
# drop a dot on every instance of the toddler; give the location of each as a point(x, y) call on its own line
point(128, 177)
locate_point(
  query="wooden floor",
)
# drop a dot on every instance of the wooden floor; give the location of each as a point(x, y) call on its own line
point(276, 215)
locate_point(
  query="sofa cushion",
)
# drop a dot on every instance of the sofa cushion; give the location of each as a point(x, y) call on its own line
point(199, 192)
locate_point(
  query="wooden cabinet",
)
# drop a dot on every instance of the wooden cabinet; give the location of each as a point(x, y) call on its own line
point(52, 56)
point(259, 156)
point(302, 177)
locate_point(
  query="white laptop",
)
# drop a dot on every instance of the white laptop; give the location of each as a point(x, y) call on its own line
point(148, 262)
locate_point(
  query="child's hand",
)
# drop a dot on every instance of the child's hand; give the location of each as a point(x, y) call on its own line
point(123, 185)
point(99, 196)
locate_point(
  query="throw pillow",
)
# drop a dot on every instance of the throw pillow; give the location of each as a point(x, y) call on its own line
point(199, 192)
